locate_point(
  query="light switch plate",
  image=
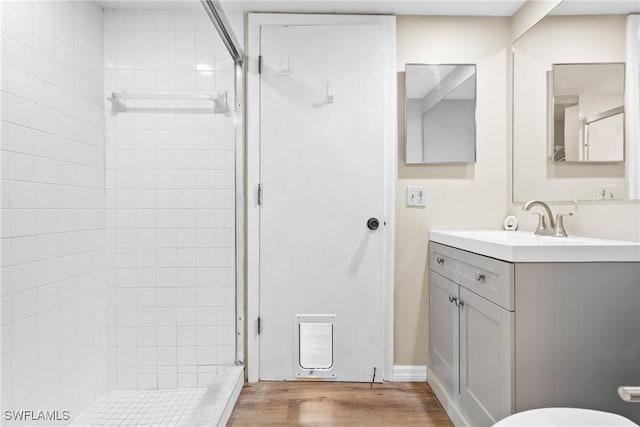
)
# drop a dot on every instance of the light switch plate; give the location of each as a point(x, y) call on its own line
point(607, 192)
point(416, 196)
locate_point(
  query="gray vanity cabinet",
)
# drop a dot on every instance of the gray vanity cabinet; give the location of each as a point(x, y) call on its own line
point(471, 345)
point(507, 337)
point(444, 343)
point(486, 354)
point(578, 335)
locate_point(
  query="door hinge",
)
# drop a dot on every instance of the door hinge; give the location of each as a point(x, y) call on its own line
point(260, 64)
point(259, 194)
point(259, 326)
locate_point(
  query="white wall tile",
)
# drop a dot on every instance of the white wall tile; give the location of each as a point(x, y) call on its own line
point(167, 356)
point(185, 80)
point(127, 378)
point(166, 40)
point(165, 20)
point(146, 356)
point(186, 316)
point(167, 336)
point(44, 67)
point(146, 316)
point(185, 40)
point(186, 336)
point(147, 337)
point(145, 40)
point(147, 381)
point(225, 354)
point(205, 40)
point(187, 379)
point(23, 331)
point(17, 54)
point(23, 304)
point(126, 357)
point(206, 355)
point(185, 21)
point(186, 355)
point(164, 220)
point(124, 19)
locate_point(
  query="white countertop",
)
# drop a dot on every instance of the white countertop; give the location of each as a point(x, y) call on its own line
point(522, 246)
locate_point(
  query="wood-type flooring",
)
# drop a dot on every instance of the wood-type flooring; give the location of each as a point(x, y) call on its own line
point(337, 404)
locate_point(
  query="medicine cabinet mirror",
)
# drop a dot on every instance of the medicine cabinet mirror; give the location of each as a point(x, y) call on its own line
point(586, 105)
point(440, 110)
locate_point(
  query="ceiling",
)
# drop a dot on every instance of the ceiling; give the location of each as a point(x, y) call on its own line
point(387, 7)
point(149, 4)
point(390, 7)
point(597, 7)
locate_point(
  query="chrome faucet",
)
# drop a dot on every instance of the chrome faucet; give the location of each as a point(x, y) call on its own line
point(546, 225)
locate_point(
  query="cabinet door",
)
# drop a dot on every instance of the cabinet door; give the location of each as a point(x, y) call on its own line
point(443, 332)
point(486, 360)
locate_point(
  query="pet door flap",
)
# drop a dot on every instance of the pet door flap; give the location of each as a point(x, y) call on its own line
point(315, 345)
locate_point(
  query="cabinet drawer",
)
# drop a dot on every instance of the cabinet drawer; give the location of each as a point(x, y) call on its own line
point(487, 277)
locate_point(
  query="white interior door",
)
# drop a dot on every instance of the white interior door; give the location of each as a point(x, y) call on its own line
point(322, 174)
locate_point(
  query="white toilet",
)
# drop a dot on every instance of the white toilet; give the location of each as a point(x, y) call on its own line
point(564, 417)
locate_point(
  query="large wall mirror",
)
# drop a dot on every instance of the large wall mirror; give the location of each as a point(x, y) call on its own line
point(440, 111)
point(571, 104)
point(586, 103)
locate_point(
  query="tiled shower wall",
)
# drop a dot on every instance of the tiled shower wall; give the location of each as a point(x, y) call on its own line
point(170, 202)
point(53, 237)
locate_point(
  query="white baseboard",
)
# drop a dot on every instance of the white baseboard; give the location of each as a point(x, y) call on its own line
point(410, 373)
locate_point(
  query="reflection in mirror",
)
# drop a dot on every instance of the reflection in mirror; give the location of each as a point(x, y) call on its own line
point(587, 123)
point(440, 104)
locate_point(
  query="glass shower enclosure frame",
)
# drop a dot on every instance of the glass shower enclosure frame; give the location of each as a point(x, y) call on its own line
point(222, 25)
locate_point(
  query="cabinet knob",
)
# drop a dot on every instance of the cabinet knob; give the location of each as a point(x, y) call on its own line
point(629, 394)
point(440, 260)
point(460, 304)
point(452, 298)
point(480, 277)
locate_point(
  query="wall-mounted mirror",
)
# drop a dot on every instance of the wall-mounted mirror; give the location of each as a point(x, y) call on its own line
point(440, 110)
point(586, 107)
point(574, 34)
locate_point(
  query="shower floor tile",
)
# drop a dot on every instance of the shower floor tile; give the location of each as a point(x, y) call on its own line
point(173, 407)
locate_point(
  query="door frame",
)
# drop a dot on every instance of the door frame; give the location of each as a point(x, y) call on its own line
point(255, 22)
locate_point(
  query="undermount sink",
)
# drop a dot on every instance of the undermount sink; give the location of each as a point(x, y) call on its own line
point(522, 246)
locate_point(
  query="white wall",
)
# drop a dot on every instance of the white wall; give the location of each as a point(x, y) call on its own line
point(170, 203)
point(52, 148)
point(458, 196)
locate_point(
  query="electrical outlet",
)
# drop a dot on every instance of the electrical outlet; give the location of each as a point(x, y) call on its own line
point(607, 192)
point(416, 196)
